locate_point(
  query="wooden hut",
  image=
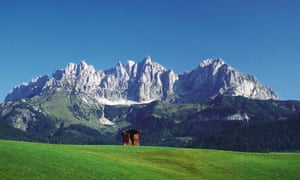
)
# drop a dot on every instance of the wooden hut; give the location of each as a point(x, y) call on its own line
point(131, 137)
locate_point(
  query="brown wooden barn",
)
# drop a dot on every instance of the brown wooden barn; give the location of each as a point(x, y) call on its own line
point(131, 137)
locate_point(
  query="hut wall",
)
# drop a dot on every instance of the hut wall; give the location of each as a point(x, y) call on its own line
point(136, 141)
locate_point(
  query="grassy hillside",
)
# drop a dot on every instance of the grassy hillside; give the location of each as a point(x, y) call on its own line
point(19, 160)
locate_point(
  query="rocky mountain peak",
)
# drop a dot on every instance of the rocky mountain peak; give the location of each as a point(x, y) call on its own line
point(83, 64)
point(130, 62)
point(150, 67)
point(147, 60)
point(212, 62)
point(76, 69)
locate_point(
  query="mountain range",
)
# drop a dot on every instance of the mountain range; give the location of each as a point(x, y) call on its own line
point(205, 107)
point(145, 82)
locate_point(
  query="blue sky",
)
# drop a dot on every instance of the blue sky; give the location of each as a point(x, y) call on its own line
point(258, 37)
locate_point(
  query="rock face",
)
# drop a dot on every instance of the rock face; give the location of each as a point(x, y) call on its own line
point(215, 77)
point(146, 81)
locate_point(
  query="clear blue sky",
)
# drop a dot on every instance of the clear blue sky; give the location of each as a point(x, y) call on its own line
point(258, 37)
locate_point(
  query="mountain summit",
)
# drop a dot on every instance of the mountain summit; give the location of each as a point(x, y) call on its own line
point(146, 81)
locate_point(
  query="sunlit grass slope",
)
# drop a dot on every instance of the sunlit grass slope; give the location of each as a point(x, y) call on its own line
point(19, 160)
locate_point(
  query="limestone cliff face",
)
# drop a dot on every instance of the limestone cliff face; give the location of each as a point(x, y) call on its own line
point(146, 81)
point(215, 77)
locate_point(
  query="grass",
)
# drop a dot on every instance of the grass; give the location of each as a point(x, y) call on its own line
point(57, 106)
point(23, 160)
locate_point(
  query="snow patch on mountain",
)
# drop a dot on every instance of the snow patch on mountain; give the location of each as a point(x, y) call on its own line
point(238, 116)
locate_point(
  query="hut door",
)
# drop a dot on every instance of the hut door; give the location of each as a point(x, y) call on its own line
point(126, 137)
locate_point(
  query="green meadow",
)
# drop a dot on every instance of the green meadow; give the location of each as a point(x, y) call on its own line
point(24, 160)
